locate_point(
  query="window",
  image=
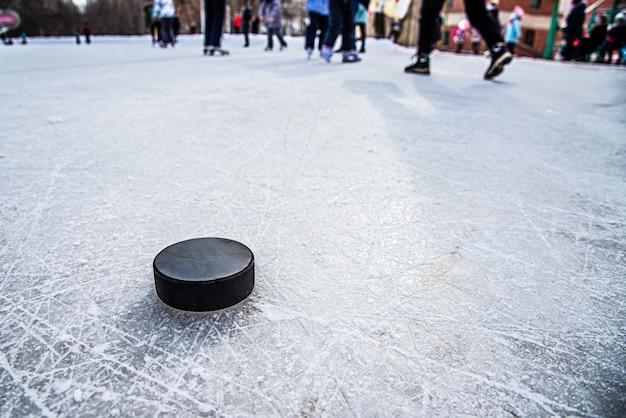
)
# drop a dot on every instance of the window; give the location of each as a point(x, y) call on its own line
point(529, 37)
point(535, 4)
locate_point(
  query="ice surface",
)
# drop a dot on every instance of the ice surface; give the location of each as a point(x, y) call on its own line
point(425, 246)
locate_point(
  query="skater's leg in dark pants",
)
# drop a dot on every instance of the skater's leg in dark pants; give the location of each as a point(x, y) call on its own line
point(280, 37)
point(270, 38)
point(208, 21)
point(214, 20)
point(362, 32)
point(323, 29)
point(335, 23)
point(347, 31)
point(311, 30)
point(166, 30)
point(479, 18)
point(428, 15)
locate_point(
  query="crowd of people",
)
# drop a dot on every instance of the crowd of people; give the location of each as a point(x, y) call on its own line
point(598, 39)
point(329, 20)
point(602, 40)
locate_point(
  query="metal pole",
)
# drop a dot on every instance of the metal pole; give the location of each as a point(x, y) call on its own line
point(613, 11)
point(554, 26)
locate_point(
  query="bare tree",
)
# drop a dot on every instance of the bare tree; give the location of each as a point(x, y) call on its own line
point(44, 18)
point(124, 17)
point(188, 11)
point(115, 17)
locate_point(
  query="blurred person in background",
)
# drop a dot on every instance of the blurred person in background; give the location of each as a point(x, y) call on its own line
point(513, 29)
point(317, 11)
point(165, 11)
point(270, 13)
point(573, 31)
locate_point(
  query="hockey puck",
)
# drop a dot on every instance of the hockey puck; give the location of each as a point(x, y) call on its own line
point(204, 274)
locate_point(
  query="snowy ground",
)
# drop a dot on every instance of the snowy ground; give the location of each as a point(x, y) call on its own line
point(425, 246)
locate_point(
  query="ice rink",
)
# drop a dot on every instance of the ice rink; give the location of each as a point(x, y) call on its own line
point(435, 246)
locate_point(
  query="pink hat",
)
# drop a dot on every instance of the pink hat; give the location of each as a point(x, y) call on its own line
point(518, 11)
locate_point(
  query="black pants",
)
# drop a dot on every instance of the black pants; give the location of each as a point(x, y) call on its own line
point(270, 37)
point(340, 21)
point(362, 29)
point(379, 25)
point(214, 11)
point(167, 30)
point(246, 37)
point(476, 13)
point(316, 21)
point(511, 47)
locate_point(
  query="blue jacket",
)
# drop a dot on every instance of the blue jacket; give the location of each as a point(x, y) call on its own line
point(317, 6)
point(513, 30)
point(360, 16)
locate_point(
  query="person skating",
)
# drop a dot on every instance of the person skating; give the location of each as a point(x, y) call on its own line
point(318, 19)
point(341, 21)
point(86, 31)
point(214, 11)
point(164, 11)
point(246, 18)
point(513, 29)
point(270, 13)
point(477, 14)
point(573, 31)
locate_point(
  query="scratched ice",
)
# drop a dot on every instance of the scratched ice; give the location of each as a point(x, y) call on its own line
point(425, 246)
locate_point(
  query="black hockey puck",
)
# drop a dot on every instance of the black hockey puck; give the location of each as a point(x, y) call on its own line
point(204, 274)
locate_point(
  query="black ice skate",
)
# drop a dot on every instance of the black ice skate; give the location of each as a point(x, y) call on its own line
point(419, 65)
point(500, 56)
point(212, 50)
